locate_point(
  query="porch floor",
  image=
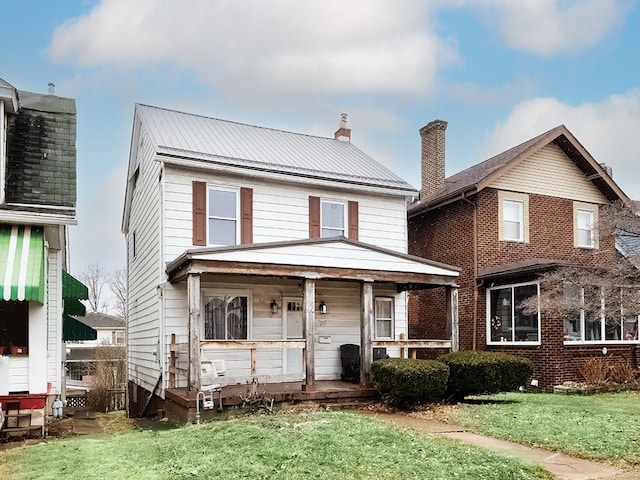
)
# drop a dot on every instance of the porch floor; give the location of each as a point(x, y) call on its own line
point(324, 392)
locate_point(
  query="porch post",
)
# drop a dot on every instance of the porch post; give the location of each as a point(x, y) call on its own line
point(193, 293)
point(366, 322)
point(452, 317)
point(308, 331)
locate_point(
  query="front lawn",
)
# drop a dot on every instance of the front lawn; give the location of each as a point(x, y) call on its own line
point(598, 427)
point(306, 445)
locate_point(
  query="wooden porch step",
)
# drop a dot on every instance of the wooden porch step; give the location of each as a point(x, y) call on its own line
point(20, 431)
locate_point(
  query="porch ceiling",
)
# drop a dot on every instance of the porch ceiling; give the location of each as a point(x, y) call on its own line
point(329, 259)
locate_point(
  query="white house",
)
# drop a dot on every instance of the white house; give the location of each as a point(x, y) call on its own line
point(37, 206)
point(266, 249)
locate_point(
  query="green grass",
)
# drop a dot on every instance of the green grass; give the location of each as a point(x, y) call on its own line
point(598, 427)
point(306, 445)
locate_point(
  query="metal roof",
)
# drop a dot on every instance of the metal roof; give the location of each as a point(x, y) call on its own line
point(185, 135)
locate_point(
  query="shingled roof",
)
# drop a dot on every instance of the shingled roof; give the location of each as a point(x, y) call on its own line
point(479, 176)
point(41, 155)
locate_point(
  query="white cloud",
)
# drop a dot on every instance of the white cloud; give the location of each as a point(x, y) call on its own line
point(608, 130)
point(97, 237)
point(255, 47)
point(551, 27)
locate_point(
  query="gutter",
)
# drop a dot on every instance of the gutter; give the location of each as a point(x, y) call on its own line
point(475, 269)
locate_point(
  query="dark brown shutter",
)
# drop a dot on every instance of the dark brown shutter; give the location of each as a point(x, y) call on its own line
point(246, 215)
point(314, 217)
point(199, 213)
point(353, 220)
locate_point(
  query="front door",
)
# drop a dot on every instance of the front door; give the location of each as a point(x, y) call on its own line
point(293, 325)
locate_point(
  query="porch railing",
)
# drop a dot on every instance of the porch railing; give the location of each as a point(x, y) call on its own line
point(179, 349)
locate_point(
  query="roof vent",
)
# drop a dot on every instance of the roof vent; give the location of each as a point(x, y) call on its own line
point(343, 132)
point(52, 88)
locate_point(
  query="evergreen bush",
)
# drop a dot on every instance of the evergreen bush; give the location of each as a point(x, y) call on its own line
point(479, 372)
point(407, 382)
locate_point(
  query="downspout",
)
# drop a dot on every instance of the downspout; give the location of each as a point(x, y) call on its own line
point(475, 270)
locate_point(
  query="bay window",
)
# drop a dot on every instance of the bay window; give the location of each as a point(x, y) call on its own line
point(590, 319)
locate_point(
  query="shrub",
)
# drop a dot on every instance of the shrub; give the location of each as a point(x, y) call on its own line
point(408, 382)
point(595, 370)
point(622, 372)
point(478, 372)
point(109, 376)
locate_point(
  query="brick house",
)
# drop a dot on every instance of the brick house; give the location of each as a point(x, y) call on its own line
point(503, 221)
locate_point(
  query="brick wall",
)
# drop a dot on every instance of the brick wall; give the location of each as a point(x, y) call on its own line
point(446, 235)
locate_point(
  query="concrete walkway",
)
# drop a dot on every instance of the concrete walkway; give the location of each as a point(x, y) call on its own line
point(562, 466)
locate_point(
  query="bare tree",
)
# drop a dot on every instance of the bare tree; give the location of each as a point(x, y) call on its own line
point(117, 281)
point(610, 291)
point(95, 278)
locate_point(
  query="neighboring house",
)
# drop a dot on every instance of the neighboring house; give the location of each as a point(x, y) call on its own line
point(81, 355)
point(504, 221)
point(37, 205)
point(263, 248)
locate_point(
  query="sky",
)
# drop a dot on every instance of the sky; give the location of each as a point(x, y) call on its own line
point(499, 71)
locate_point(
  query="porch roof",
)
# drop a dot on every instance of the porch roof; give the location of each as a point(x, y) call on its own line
point(328, 258)
point(531, 266)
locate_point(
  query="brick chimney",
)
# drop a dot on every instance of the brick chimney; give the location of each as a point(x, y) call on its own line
point(433, 136)
point(343, 131)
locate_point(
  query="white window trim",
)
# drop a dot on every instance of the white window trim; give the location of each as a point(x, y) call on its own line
point(593, 209)
point(207, 293)
point(488, 314)
point(602, 341)
point(236, 219)
point(523, 200)
point(393, 317)
point(345, 226)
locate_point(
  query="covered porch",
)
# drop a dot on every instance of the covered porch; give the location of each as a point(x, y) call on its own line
point(340, 291)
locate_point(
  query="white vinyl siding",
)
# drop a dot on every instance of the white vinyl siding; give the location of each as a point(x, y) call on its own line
point(585, 222)
point(280, 212)
point(145, 270)
point(54, 320)
point(340, 325)
point(550, 172)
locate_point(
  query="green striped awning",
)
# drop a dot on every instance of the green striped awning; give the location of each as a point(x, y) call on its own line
point(74, 330)
point(21, 263)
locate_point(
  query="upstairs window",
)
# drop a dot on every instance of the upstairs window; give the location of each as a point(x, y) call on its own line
point(222, 215)
point(513, 217)
point(333, 219)
point(512, 221)
point(585, 227)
